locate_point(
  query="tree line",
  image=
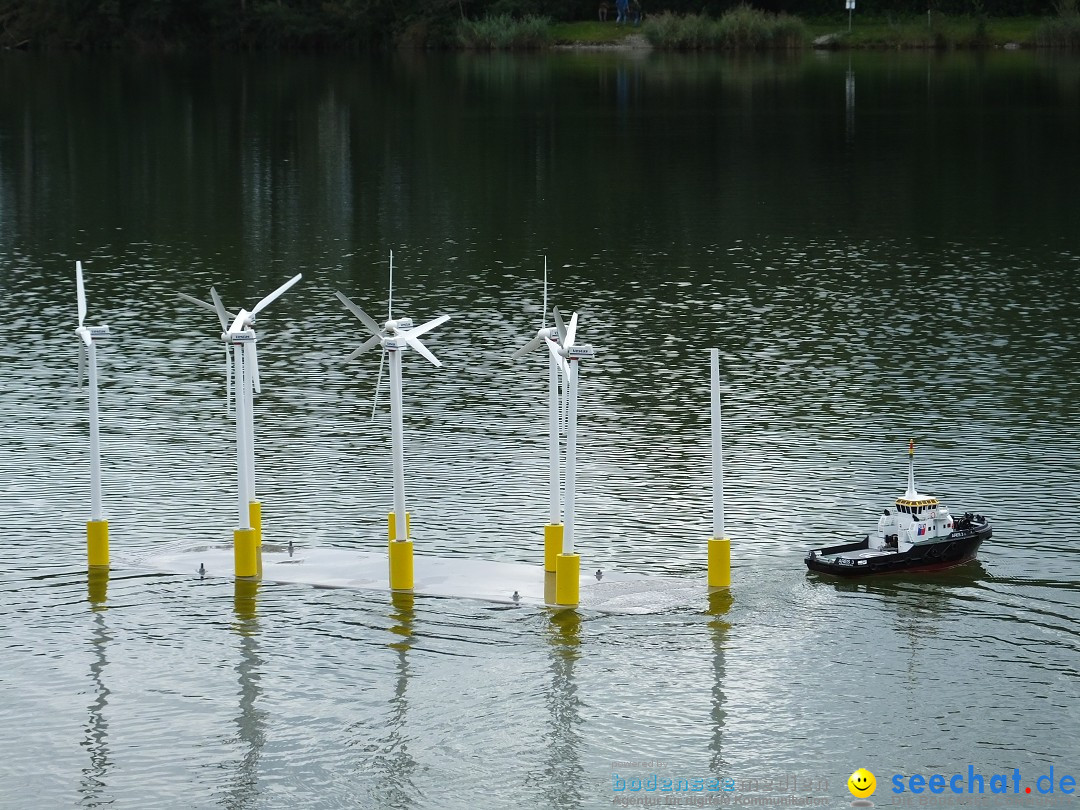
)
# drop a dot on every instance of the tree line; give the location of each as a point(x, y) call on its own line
point(365, 24)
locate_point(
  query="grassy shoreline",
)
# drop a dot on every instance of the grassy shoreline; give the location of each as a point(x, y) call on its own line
point(947, 32)
point(267, 27)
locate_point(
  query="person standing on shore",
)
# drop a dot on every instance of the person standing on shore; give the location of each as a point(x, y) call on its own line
point(621, 7)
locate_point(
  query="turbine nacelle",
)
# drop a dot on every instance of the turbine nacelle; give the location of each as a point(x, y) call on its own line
point(398, 325)
point(245, 336)
point(92, 333)
point(585, 352)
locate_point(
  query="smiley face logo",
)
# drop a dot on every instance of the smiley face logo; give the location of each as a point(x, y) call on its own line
point(862, 784)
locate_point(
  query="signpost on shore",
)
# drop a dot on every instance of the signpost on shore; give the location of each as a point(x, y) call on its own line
point(850, 6)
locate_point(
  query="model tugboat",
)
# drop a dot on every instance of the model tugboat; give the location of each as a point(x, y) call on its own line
point(919, 535)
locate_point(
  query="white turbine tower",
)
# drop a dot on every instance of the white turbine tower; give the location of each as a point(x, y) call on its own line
point(551, 336)
point(240, 334)
point(395, 336)
point(97, 528)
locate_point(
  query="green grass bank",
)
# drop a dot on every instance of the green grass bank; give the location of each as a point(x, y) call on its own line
point(757, 30)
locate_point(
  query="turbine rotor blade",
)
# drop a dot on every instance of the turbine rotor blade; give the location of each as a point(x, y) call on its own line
point(365, 319)
point(564, 395)
point(80, 292)
point(390, 291)
point(559, 324)
point(228, 379)
point(223, 314)
point(571, 332)
point(423, 329)
point(421, 348)
point(543, 315)
point(251, 351)
point(378, 383)
point(372, 341)
point(528, 347)
point(564, 367)
point(201, 303)
point(239, 324)
point(272, 297)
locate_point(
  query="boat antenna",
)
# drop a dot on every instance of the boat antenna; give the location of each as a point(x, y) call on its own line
point(911, 469)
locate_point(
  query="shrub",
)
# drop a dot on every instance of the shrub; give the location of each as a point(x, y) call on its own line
point(1062, 31)
point(740, 28)
point(503, 32)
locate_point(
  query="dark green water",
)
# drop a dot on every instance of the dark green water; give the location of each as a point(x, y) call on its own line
point(884, 246)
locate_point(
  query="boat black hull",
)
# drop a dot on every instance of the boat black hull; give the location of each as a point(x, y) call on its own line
point(958, 548)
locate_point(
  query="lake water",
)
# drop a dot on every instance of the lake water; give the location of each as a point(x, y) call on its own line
point(883, 246)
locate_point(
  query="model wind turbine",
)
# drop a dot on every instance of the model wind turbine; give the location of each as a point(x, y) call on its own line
point(568, 566)
point(719, 551)
point(240, 335)
point(395, 336)
point(552, 337)
point(97, 528)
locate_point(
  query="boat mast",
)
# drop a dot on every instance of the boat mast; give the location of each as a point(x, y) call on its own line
point(911, 493)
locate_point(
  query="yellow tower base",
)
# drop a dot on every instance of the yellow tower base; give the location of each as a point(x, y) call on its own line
point(719, 562)
point(245, 553)
point(553, 534)
point(391, 525)
point(97, 542)
point(255, 516)
point(401, 565)
point(567, 579)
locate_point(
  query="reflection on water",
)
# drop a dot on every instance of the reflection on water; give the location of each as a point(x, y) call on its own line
point(252, 720)
point(563, 771)
point(396, 763)
point(720, 601)
point(93, 787)
point(849, 104)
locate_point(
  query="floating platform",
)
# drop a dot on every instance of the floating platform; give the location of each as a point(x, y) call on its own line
point(449, 577)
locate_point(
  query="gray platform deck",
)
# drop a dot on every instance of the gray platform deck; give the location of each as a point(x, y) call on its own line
point(452, 577)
